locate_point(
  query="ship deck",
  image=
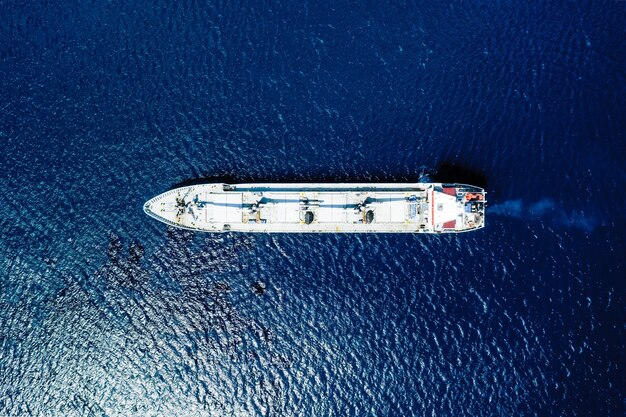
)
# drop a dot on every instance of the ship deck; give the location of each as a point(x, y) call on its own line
point(408, 208)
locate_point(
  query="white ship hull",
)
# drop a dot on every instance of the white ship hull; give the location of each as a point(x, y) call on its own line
point(322, 208)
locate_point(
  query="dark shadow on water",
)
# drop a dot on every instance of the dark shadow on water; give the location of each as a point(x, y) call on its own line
point(297, 178)
point(259, 287)
point(455, 172)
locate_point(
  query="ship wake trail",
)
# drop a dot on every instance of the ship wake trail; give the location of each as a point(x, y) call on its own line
point(546, 209)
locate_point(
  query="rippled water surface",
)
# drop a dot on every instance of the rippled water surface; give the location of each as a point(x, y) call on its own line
point(105, 312)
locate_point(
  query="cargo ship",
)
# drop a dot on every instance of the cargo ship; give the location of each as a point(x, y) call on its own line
point(322, 208)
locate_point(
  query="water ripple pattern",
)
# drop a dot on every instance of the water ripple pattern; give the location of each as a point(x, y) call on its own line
point(105, 312)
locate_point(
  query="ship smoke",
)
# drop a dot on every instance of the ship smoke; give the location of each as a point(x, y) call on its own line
point(546, 209)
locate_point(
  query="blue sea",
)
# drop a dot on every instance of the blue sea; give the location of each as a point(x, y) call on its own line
point(106, 312)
